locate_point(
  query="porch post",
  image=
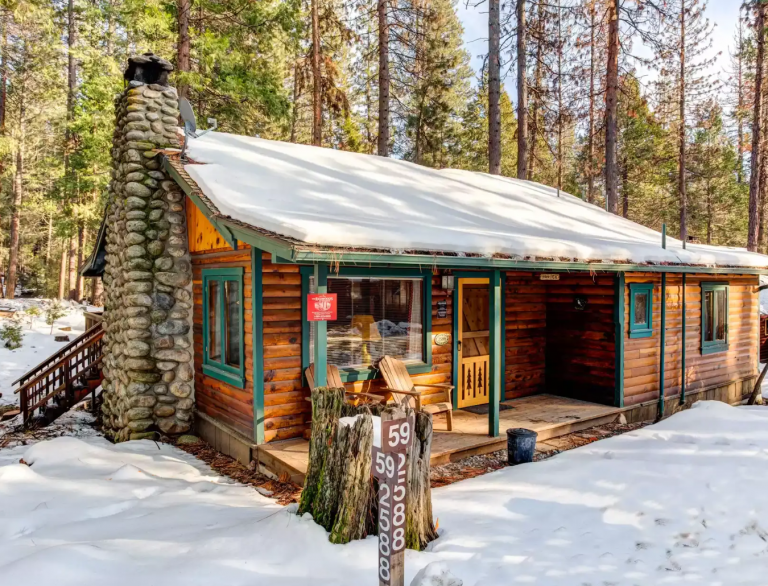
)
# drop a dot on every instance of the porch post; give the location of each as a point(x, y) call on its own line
point(257, 340)
point(619, 333)
point(496, 379)
point(321, 330)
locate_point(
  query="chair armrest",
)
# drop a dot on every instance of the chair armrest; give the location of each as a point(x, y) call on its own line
point(411, 393)
point(436, 386)
point(377, 398)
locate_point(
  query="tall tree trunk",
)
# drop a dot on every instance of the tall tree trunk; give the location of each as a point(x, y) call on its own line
point(682, 198)
point(494, 88)
point(740, 105)
point(296, 96)
point(81, 237)
point(48, 247)
point(611, 109)
point(63, 271)
point(72, 279)
point(382, 146)
point(534, 134)
point(3, 71)
point(98, 292)
point(625, 188)
point(559, 98)
point(183, 8)
point(18, 193)
point(317, 104)
point(757, 133)
point(522, 93)
point(591, 128)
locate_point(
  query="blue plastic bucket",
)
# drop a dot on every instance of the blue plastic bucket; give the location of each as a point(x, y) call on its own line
point(521, 444)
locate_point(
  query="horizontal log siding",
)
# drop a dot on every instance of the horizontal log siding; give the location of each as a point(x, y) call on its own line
point(581, 343)
point(641, 355)
point(525, 327)
point(219, 400)
point(286, 412)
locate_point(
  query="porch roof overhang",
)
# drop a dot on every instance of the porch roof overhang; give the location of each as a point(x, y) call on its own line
point(286, 249)
point(95, 264)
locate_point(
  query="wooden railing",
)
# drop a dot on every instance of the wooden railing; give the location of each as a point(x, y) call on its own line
point(63, 376)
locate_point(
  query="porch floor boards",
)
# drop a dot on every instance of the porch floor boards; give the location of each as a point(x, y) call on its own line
point(549, 415)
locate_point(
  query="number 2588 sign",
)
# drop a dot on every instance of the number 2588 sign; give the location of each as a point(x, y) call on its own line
point(389, 467)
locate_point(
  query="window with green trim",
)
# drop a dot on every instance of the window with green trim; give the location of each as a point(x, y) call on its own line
point(640, 310)
point(714, 317)
point(223, 338)
point(377, 315)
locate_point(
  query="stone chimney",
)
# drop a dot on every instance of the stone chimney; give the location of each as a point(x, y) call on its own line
point(148, 369)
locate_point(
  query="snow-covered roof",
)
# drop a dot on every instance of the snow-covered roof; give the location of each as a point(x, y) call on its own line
point(330, 198)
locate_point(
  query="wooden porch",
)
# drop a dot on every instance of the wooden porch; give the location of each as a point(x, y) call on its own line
point(549, 415)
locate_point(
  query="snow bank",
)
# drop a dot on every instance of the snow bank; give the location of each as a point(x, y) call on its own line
point(336, 198)
point(678, 502)
point(38, 342)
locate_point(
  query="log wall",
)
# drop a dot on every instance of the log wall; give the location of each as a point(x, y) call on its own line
point(641, 355)
point(525, 303)
point(581, 342)
point(222, 401)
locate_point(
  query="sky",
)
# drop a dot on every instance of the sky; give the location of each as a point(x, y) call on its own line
point(723, 13)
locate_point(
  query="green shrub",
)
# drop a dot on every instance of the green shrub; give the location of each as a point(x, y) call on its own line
point(11, 336)
point(54, 311)
point(32, 313)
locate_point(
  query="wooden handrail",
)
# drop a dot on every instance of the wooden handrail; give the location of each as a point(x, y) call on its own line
point(60, 362)
point(31, 372)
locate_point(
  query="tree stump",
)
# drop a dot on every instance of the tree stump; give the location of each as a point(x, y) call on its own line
point(339, 491)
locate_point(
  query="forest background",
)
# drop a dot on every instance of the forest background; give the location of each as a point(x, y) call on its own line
point(631, 105)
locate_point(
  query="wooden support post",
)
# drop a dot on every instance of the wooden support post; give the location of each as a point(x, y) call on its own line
point(682, 350)
point(495, 379)
point(257, 321)
point(662, 343)
point(619, 333)
point(321, 330)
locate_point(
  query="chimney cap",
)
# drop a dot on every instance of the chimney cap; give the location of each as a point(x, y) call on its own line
point(148, 68)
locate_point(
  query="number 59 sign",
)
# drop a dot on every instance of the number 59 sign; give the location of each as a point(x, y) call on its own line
point(389, 467)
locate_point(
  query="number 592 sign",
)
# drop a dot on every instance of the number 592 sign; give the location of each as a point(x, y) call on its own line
point(389, 467)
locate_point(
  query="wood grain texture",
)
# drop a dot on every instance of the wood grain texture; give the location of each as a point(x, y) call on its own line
point(641, 355)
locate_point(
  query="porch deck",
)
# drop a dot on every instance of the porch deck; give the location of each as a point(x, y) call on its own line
point(549, 415)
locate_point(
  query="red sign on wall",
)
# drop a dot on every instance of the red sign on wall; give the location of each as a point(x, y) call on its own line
point(321, 307)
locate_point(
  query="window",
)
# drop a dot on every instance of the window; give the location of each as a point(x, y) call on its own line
point(376, 316)
point(640, 310)
point(714, 317)
point(224, 355)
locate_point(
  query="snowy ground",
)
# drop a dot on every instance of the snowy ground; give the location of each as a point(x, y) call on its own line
point(678, 502)
point(38, 342)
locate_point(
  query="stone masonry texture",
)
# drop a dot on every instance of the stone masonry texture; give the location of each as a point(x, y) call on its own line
point(148, 370)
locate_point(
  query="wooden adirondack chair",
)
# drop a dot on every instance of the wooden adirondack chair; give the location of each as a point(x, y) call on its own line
point(333, 379)
point(401, 389)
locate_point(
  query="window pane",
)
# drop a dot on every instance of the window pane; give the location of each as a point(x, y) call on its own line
point(641, 300)
point(709, 311)
point(233, 333)
point(214, 323)
point(722, 314)
point(375, 317)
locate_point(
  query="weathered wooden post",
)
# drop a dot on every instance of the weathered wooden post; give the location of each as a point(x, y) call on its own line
point(390, 467)
point(340, 490)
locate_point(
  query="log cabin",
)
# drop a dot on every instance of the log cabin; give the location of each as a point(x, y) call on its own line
point(542, 310)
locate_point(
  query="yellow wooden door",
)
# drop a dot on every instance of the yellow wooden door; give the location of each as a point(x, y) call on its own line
point(474, 342)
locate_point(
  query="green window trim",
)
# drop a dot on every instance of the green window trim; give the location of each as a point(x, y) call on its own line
point(370, 372)
point(641, 330)
point(713, 346)
point(215, 369)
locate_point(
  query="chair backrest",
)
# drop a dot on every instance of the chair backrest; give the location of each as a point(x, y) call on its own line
point(397, 378)
point(333, 378)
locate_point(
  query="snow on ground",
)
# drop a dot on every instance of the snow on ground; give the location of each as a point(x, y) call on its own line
point(677, 502)
point(38, 342)
point(336, 198)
